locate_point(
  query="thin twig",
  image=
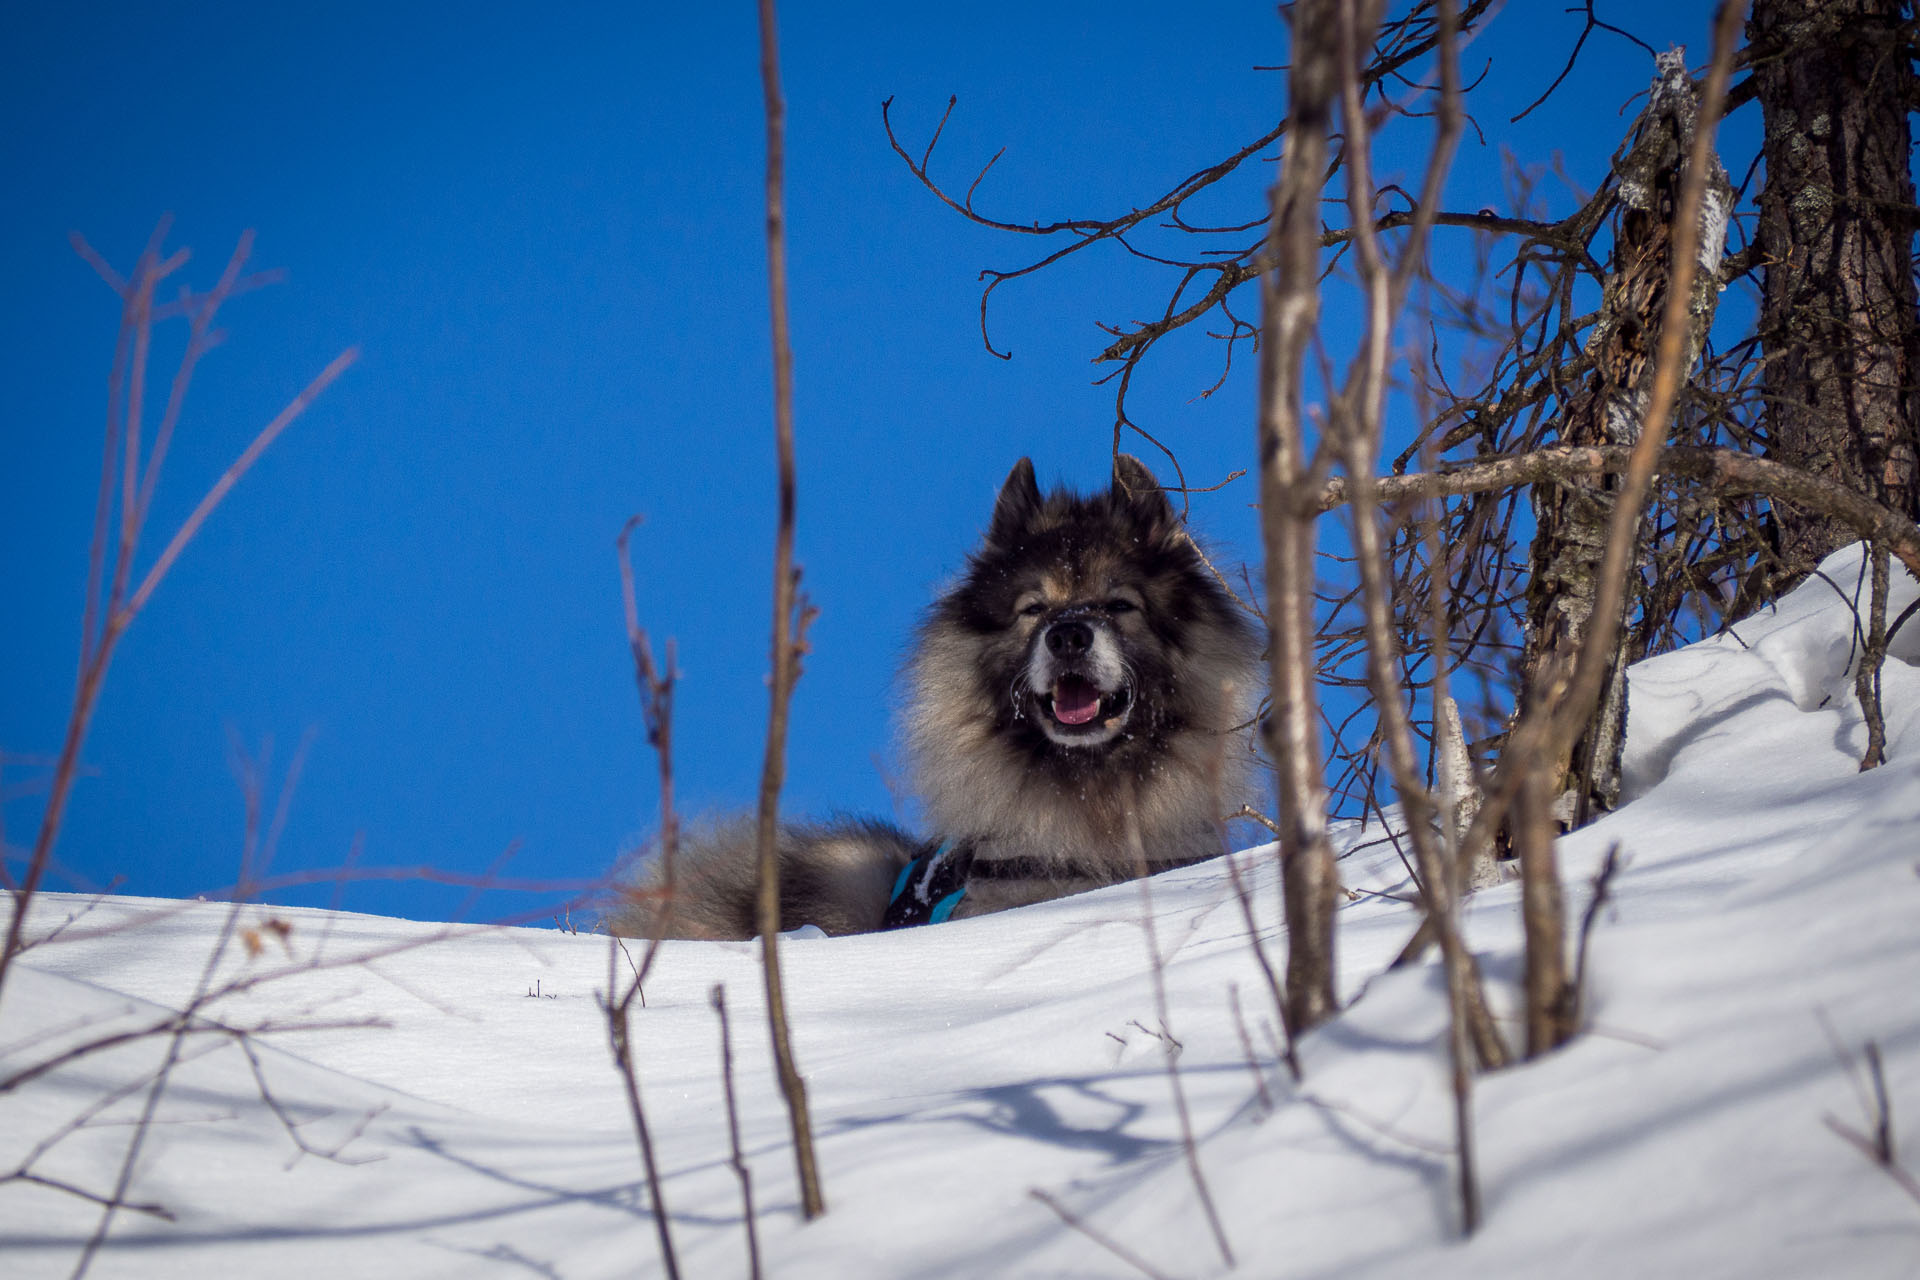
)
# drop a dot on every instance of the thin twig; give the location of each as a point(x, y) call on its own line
point(1260, 1089)
point(1602, 892)
point(1252, 814)
point(1106, 1242)
point(1721, 471)
point(1280, 1010)
point(1566, 684)
point(1359, 420)
point(1873, 657)
point(718, 998)
point(656, 710)
point(1879, 1146)
point(620, 1039)
point(789, 624)
point(1170, 1047)
point(253, 846)
point(105, 622)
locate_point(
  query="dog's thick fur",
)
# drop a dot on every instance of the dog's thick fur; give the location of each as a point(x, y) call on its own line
point(1074, 711)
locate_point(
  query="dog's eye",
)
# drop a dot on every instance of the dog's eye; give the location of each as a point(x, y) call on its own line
point(1033, 610)
point(1121, 606)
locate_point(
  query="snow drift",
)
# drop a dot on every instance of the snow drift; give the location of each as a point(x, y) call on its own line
point(1765, 929)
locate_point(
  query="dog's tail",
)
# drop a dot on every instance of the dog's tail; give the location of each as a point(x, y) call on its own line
point(837, 875)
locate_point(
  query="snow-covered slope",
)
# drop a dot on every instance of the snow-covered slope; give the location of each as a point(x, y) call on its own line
point(1765, 929)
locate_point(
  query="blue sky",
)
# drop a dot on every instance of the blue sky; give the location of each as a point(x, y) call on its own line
point(542, 226)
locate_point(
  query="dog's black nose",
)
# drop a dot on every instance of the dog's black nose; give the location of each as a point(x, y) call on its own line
point(1069, 639)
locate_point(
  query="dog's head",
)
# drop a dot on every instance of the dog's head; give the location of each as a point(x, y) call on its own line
point(1091, 623)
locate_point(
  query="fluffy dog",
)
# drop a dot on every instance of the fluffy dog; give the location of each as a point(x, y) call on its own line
point(1075, 715)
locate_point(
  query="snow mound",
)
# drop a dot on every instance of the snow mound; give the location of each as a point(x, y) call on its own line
point(1762, 934)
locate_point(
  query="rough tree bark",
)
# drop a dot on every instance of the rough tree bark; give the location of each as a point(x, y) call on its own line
point(1607, 409)
point(1674, 226)
point(1835, 83)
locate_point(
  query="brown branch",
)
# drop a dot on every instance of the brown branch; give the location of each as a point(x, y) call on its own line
point(1232, 274)
point(620, 1040)
point(1566, 683)
point(102, 627)
point(1405, 41)
point(717, 997)
point(1721, 471)
point(788, 618)
point(241, 465)
point(1879, 1147)
point(1290, 305)
point(1593, 23)
point(1386, 64)
point(1252, 814)
point(1359, 420)
point(1093, 229)
point(656, 711)
point(1602, 893)
point(1873, 656)
point(1622, 534)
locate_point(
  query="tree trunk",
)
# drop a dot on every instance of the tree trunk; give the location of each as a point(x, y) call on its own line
point(1290, 306)
point(1670, 233)
point(1571, 517)
point(1838, 317)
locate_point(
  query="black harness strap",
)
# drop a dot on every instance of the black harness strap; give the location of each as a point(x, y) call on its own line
point(930, 887)
point(1040, 869)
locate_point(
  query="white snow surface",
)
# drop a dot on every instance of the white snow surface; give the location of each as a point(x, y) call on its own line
point(1764, 930)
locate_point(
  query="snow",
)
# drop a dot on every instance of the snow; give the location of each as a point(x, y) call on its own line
point(1763, 931)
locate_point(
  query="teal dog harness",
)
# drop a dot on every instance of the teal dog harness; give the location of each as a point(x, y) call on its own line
point(929, 888)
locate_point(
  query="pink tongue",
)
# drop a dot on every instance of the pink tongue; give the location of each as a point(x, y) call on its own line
point(1075, 701)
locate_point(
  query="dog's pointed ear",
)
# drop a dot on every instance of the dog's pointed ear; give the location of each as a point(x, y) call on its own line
point(1135, 486)
point(1017, 506)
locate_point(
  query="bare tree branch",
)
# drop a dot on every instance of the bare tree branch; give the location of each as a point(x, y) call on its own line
point(1290, 308)
point(1358, 422)
point(1723, 471)
point(717, 997)
point(106, 620)
point(789, 625)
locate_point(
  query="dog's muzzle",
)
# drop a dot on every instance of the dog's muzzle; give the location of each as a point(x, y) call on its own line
point(1080, 683)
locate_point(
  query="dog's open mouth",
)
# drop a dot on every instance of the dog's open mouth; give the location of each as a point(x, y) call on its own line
point(1076, 704)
